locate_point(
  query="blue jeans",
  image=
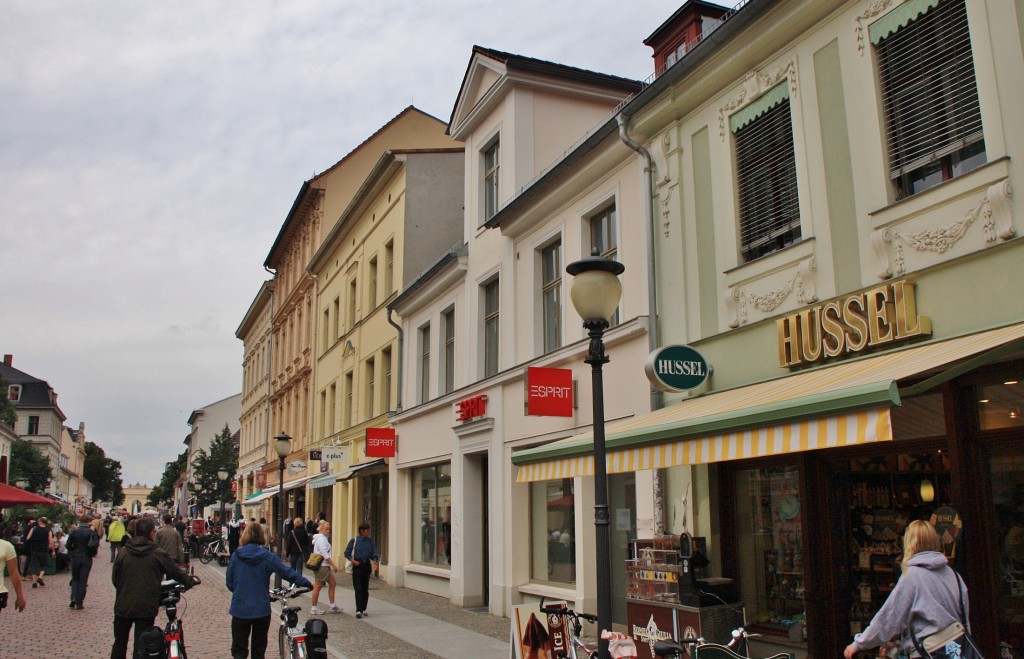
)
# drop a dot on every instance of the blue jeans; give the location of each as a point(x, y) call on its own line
point(80, 568)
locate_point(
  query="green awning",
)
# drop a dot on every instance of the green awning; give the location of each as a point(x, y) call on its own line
point(759, 106)
point(900, 17)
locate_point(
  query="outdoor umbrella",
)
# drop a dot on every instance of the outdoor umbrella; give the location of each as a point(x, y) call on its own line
point(13, 496)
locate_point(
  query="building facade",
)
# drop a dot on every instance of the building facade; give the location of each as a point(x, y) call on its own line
point(40, 419)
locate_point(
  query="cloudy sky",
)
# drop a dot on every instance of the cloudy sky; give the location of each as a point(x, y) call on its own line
point(149, 152)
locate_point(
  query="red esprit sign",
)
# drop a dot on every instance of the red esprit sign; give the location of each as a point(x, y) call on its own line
point(548, 391)
point(381, 442)
point(471, 408)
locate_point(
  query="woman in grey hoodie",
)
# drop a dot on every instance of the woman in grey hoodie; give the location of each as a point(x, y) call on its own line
point(926, 598)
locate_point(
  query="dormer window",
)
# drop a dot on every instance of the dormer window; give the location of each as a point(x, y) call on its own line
point(14, 393)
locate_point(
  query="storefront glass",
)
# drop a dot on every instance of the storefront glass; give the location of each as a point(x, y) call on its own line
point(1006, 466)
point(552, 531)
point(432, 492)
point(1001, 405)
point(374, 491)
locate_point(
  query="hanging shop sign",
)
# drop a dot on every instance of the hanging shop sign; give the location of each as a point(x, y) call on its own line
point(677, 368)
point(877, 317)
point(314, 454)
point(381, 443)
point(471, 408)
point(261, 480)
point(334, 454)
point(549, 391)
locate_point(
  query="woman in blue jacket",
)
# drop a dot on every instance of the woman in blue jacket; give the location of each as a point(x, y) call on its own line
point(248, 578)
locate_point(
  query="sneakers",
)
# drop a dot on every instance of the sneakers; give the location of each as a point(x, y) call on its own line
point(41, 582)
point(315, 611)
point(359, 614)
point(334, 609)
point(78, 605)
point(73, 605)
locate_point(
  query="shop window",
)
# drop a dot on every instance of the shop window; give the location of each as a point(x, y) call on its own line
point(553, 531)
point(432, 531)
point(1006, 467)
point(919, 417)
point(1001, 405)
point(770, 548)
point(932, 114)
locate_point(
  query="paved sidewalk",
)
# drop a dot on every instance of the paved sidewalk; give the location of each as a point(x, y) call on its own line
point(401, 622)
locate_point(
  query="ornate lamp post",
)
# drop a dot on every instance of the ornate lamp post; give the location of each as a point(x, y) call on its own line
point(283, 446)
point(595, 293)
point(222, 476)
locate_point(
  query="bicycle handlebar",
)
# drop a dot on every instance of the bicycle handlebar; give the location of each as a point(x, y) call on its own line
point(565, 611)
point(288, 593)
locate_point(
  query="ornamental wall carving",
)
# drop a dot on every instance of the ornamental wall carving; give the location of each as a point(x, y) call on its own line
point(764, 299)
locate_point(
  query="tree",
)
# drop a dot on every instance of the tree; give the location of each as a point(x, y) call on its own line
point(105, 475)
point(8, 413)
point(163, 494)
point(29, 464)
point(223, 454)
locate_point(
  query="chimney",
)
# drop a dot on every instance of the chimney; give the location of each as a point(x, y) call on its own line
point(8, 360)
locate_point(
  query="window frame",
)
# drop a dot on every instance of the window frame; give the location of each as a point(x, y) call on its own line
point(551, 294)
point(425, 537)
point(448, 320)
point(606, 220)
point(491, 318)
point(423, 361)
point(490, 178)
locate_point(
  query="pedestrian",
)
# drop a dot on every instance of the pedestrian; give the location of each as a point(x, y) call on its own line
point(298, 544)
point(61, 539)
point(247, 576)
point(267, 535)
point(9, 557)
point(324, 573)
point(83, 544)
point(926, 600)
point(136, 575)
point(362, 551)
point(40, 546)
point(234, 535)
point(97, 526)
point(116, 533)
point(167, 538)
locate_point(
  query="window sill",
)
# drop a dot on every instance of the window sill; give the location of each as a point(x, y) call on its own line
point(429, 570)
point(549, 591)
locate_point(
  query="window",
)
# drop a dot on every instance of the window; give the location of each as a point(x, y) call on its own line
point(323, 413)
point(553, 531)
point(492, 165)
point(33, 425)
point(332, 412)
point(14, 393)
point(448, 325)
point(424, 363)
point(389, 267)
point(766, 175)
point(336, 326)
point(930, 96)
point(432, 532)
point(491, 330)
point(353, 289)
point(551, 295)
point(373, 283)
point(348, 411)
point(385, 367)
point(603, 240)
point(371, 381)
point(326, 330)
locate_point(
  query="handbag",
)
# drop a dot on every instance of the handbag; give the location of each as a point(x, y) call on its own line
point(314, 561)
point(953, 641)
point(348, 566)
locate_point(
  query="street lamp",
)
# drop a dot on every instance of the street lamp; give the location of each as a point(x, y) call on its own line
point(222, 476)
point(595, 293)
point(283, 446)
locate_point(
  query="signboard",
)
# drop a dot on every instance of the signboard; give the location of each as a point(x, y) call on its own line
point(261, 480)
point(471, 408)
point(677, 368)
point(536, 635)
point(315, 454)
point(234, 486)
point(549, 391)
point(334, 454)
point(381, 442)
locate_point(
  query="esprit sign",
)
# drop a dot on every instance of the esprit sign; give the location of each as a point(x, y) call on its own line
point(549, 391)
point(676, 368)
point(471, 408)
point(879, 316)
point(381, 442)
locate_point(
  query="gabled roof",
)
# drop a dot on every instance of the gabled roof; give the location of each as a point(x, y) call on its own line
point(510, 65)
point(34, 392)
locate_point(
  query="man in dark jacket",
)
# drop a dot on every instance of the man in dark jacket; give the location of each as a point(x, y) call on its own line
point(83, 543)
point(297, 543)
point(138, 570)
point(167, 538)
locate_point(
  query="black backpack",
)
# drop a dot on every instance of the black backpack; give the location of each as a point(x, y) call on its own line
point(151, 644)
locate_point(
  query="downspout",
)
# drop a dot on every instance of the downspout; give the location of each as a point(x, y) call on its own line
point(401, 360)
point(270, 360)
point(657, 400)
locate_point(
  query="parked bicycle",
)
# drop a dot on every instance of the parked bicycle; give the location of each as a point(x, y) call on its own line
point(211, 550)
point(170, 644)
point(569, 620)
point(294, 643)
point(737, 648)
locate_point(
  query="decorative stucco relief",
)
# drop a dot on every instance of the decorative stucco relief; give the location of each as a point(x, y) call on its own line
point(666, 210)
point(803, 283)
point(754, 84)
point(874, 9)
point(993, 209)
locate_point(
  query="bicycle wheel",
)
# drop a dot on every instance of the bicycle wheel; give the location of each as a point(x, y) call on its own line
point(282, 642)
point(206, 555)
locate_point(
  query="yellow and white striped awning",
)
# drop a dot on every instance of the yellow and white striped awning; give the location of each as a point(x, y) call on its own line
point(841, 405)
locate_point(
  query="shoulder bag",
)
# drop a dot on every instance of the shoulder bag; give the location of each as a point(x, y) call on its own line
point(953, 641)
point(351, 549)
point(314, 561)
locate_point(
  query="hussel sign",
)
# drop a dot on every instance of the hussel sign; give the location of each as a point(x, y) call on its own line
point(677, 368)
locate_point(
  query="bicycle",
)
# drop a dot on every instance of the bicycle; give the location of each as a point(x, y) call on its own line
point(569, 620)
point(173, 636)
point(211, 550)
point(737, 648)
point(291, 641)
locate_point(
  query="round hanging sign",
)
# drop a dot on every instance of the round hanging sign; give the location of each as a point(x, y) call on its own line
point(677, 368)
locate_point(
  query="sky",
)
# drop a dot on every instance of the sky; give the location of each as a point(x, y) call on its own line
point(150, 151)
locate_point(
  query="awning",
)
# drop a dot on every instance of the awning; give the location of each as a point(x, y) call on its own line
point(841, 405)
point(272, 490)
point(362, 469)
point(324, 480)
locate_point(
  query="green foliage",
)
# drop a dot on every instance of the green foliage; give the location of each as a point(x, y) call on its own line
point(105, 475)
point(8, 413)
point(29, 464)
point(163, 494)
point(54, 513)
point(223, 454)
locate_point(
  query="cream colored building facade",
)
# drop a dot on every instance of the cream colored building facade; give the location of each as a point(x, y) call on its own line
point(76, 490)
point(255, 443)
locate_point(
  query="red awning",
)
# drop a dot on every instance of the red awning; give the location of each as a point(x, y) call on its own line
point(13, 496)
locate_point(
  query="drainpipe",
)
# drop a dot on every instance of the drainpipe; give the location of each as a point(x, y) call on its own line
point(401, 360)
point(652, 296)
point(270, 358)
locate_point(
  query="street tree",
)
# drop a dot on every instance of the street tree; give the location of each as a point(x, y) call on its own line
point(105, 475)
point(223, 454)
point(163, 494)
point(30, 465)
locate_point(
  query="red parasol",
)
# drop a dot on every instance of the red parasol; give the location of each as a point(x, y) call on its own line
point(13, 496)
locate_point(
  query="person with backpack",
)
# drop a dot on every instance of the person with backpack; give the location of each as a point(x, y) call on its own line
point(83, 544)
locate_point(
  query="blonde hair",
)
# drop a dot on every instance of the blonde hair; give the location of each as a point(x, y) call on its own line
point(298, 521)
point(253, 533)
point(920, 536)
point(321, 525)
